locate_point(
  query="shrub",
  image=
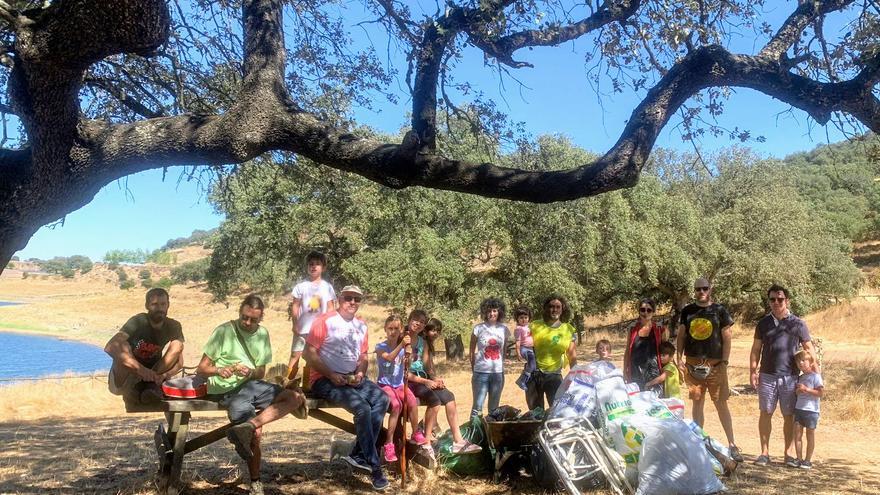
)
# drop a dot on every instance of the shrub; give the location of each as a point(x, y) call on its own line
point(148, 283)
point(164, 283)
point(122, 275)
point(112, 266)
point(11, 266)
point(126, 284)
point(144, 274)
point(67, 273)
point(191, 271)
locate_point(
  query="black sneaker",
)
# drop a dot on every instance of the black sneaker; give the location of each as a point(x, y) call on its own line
point(357, 463)
point(241, 435)
point(762, 460)
point(380, 483)
point(806, 465)
point(792, 462)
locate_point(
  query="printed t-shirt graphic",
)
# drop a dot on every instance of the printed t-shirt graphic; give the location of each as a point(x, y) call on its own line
point(145, 342)
point(314, 298)
point(339, 343)
point(703, 329)
point(490, 342)
point(700, 328)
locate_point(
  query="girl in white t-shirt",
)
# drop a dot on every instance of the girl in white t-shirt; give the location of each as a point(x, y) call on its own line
point(487, 355)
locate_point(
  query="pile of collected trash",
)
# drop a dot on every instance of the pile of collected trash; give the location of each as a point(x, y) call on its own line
point(663, 453)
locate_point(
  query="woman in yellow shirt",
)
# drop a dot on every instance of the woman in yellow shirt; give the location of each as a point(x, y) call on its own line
point(554, 348)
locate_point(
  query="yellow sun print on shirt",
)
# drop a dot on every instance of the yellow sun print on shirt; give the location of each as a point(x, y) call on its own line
point(314, 304)
point(701, 328)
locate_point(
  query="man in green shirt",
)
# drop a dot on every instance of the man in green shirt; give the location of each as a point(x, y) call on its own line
point(234, 363)
point(139, 365)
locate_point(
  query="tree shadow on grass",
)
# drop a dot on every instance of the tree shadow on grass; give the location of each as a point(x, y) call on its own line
point(116, 455)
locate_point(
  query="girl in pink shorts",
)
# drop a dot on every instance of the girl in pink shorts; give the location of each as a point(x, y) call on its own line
point(389, 358)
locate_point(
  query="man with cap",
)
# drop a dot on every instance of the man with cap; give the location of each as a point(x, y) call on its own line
point(778, 336)
point(336, 352)
point(704, 336)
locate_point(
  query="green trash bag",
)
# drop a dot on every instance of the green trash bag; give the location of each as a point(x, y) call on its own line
point(466, 464)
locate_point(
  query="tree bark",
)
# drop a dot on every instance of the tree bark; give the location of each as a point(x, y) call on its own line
point(68, 158)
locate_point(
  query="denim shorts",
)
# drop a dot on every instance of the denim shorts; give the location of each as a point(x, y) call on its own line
point(807, 419)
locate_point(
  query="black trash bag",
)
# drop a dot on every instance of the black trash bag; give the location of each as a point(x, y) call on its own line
point(504, 413)
point(543, 472)
point(537, 413)
point(546, 477)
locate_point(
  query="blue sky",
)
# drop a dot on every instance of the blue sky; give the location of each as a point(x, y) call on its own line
point(144, 212)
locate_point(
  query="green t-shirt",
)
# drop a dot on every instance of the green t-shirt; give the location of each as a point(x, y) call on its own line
point(224, 348)
point(551, 344)
point(146, 342)
point(672, 385)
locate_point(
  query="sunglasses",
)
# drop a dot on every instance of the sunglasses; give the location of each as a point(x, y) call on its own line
point(646, 310)
point(701, 289)
point(777, 299)
point(355, 299)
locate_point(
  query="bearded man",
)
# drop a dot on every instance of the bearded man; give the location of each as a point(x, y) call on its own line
point(146, 351)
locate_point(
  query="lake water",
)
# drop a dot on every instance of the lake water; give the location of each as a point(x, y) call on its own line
point(35, 356)
point(8, 303)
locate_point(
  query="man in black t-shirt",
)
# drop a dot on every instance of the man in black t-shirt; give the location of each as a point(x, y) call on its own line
point(704, 337)
point(778, 336)
point(139, 364)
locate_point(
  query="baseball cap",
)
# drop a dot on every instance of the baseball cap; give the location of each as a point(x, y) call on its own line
point(352, 289)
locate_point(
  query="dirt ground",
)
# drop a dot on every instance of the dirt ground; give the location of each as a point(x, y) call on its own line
point(71, 436)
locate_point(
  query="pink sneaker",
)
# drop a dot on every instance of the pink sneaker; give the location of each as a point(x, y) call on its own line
point(390, 454)
point(419, 438)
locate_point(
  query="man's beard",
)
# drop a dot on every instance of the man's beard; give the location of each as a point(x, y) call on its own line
point(156, 316)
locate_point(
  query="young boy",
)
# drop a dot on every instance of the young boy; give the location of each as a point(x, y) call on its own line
point(669, 375)
point(809, 390)
point(308, 299)
point(603, 350)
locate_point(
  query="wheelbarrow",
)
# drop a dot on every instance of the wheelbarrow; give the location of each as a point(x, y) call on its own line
point(509, 438)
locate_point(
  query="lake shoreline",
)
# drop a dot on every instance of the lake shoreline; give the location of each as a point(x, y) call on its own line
point(58, 334)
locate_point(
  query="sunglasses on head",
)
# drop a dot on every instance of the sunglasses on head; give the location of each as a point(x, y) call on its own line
point(356, 299)
point(701, 289)
point(777, 299)
point(646, 310)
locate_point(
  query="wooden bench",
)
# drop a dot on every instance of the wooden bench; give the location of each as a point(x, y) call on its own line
point(172, 444)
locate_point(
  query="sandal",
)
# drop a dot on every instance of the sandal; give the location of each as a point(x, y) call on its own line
point(465, 447)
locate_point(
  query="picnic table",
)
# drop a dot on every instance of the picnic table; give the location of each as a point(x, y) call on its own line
point(172, 444)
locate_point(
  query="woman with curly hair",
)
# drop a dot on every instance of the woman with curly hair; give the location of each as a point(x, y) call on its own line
point(487, 355)
point(553, 337)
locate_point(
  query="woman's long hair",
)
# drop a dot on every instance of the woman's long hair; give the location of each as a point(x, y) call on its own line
point(565, 317)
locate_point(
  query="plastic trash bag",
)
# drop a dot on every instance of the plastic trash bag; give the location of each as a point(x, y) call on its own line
point(673, 460)
point(466, 464)
point(576, 396)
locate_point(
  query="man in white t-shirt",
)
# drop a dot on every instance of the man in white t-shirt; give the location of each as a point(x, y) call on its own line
point(336, 351)
point(308, 299)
